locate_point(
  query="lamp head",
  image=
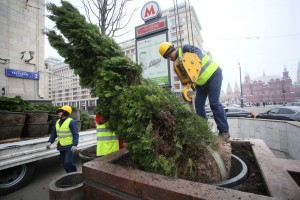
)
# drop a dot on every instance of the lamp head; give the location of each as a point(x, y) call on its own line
point(31, 53)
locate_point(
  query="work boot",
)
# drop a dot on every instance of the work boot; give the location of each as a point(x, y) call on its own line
point(224, 136)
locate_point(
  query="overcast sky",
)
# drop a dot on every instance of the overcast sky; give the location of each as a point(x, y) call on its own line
point(263, 35)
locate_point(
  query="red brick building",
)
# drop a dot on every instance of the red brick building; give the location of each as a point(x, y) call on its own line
point(268, 89)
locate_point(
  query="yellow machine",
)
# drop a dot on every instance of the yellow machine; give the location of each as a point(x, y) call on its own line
point(187, 68)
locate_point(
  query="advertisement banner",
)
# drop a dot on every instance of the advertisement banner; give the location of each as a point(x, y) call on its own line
point(155, 67)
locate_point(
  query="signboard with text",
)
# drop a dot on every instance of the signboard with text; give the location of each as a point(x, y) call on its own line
point(148, 38)
point(151, 28)
point(22, 74)
point(154, 66)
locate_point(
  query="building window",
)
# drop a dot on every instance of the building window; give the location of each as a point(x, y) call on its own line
point(92, 103)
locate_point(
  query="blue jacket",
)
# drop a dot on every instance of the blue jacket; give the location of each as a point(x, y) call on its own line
point(192, 49)
point(74, 129)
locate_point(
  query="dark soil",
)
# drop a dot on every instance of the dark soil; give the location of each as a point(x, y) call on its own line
point(253, 184)
point(89, 152)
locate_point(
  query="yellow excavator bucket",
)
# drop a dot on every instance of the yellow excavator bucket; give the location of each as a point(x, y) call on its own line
point(187, 68)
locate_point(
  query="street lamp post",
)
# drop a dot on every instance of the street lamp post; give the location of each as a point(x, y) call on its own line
point(242, 105)
point(284, 93)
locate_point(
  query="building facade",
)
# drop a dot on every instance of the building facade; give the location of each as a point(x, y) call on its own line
point(266, 89)
point(128, 47)
point(22, 50)
point(65, 88)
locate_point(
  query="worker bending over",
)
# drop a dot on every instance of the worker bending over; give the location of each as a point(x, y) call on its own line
point(208, 84)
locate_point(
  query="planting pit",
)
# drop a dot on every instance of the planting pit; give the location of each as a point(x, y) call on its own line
point(269, 178)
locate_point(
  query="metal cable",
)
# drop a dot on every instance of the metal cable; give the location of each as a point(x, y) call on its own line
point(178, 23)
point(187, 23)
point(191, 23)
point(175, 22)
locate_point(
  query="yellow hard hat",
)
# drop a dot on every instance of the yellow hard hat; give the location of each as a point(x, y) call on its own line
point(165, 48)
point(66, 108)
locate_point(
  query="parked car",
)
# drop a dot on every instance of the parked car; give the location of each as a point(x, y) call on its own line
point(290, 113)
point(208, 112)
point(234, 105)
point(238, 112)
point(293, 104)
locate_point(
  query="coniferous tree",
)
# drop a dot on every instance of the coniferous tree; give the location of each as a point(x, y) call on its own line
point(162, 134)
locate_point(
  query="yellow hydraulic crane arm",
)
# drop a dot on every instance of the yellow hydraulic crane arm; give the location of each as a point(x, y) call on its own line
point(187, 68)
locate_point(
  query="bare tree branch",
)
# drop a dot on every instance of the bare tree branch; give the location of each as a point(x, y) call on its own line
point(91, 8)
point(87, 11)
point(111, 15)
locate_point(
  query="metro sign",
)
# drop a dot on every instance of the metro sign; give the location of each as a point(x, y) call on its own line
point(150, 11)
point(151, 28)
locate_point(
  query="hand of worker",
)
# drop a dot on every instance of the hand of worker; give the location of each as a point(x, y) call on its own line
point(48, 145)
point(74, 149)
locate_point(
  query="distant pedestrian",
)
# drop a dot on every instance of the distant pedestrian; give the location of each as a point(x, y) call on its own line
point(264, 104)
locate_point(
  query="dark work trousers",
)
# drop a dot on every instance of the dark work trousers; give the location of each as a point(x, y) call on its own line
point(67, 161)
point(212, 90)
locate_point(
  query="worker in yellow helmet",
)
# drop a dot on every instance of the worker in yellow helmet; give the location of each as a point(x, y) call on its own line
point(208, 84)
point(66, 132)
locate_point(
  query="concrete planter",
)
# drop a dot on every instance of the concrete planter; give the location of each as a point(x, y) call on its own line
point(75, 115)
point(11, 124)
point(68, 186)
point(36, 116)
point(79, 123)
point(105, 180)
point(36, 124)
point(7, 117)
point(52, 119)
point(36, 129)
point(86, 155)
point(10, 131)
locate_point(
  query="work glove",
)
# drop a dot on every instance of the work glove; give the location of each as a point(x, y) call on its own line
point(74, 149)
point(48, 145)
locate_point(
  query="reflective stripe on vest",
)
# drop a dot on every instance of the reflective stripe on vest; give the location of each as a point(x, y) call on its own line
point(107, 141)
point(208, 68)
point(64, 133)
point(180, 53)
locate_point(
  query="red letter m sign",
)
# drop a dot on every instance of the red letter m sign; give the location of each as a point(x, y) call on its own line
point(149, 12)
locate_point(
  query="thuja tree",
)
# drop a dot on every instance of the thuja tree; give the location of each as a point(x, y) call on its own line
point(162, 134)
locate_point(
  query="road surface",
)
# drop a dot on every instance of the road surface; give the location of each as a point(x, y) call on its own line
point(38, 189)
